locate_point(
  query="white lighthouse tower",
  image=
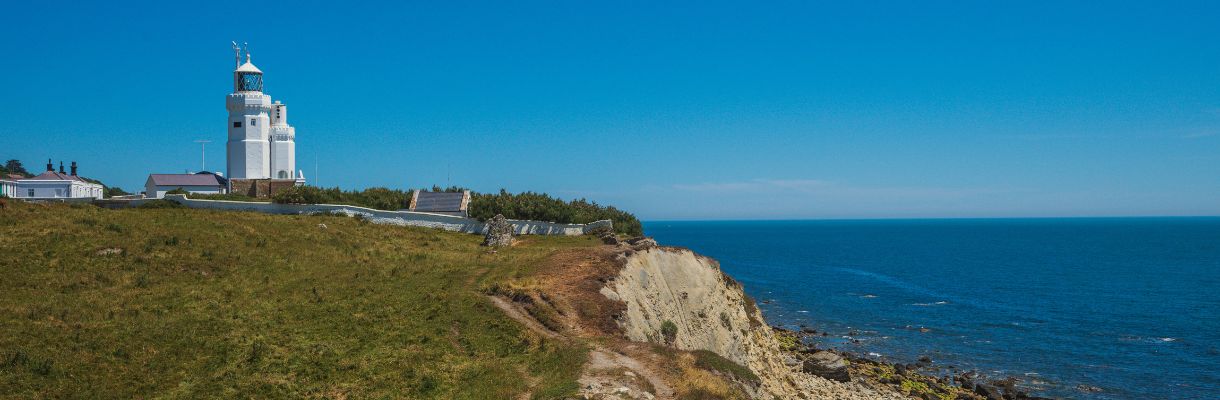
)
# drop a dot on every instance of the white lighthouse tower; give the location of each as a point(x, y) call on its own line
point(261, 143)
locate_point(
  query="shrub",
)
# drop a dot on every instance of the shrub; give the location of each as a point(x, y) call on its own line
point(542, 207)
point(111, 191)
point(161, 203)
point(669, 331)
point(378, 198)
point(714, 362)
point(178, 191)
point(295, 195)
point(527, 205)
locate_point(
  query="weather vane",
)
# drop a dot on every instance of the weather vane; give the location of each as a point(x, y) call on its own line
point(236, 53)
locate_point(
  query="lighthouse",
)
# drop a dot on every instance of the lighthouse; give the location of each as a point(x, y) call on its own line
point(261, 144)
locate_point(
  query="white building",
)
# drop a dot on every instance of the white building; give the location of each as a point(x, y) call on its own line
point(57, 185)
point(203, 182)
point(261, 144)
point(8, 188)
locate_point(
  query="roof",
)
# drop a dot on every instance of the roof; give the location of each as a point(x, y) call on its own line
point(219, 178)
point(439, 201)
point(53, 176)
point(248, 67)
point(184, 180)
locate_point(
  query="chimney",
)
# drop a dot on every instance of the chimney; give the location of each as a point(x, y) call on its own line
point(50, 167)
point(61, 167)
point(74, 168)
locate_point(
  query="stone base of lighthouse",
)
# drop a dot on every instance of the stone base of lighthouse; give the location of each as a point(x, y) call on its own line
point(261, 188)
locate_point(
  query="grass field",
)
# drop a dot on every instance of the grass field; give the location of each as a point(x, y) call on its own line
point(180, 303)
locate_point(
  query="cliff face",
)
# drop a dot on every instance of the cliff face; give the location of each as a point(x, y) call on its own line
point(666, 288)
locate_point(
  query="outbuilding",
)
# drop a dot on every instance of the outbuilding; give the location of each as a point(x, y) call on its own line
point(203, 183)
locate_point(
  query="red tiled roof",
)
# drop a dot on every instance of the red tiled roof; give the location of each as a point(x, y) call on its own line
point(184, 179)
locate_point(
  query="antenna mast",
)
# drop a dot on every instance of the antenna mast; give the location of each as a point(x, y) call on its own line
point(203, 164)
point(236, 55)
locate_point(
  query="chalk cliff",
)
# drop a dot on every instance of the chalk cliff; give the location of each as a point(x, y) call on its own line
point(664, 288)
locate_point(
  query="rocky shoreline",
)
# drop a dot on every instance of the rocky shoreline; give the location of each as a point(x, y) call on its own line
point(710, 311)
point(922, 379)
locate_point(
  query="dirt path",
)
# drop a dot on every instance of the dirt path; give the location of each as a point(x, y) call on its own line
point(602, 360)
point(606, 372)
point(519, 315)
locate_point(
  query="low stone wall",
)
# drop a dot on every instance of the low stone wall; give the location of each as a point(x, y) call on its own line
point(402, 218)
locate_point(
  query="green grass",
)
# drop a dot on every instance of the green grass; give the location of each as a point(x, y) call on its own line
point(209, 304)
point(714, 362)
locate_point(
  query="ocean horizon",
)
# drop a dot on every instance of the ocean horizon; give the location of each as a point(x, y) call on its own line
point(1077, 307)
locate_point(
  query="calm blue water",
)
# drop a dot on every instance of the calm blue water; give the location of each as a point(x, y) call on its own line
point(1130, 305)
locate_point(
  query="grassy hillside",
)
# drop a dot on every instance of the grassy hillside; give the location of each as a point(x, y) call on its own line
point(180, 303)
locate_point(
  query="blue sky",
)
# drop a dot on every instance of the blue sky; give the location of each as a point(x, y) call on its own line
point(699, 110)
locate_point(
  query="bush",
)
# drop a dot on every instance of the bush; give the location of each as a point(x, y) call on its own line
point(714, 362)
point(542, 207)
point(528, 205)
point(161, 203)
point(377, 198)
point(178, 191)
point(108, 191)
point(297, 195)
point(669, 331)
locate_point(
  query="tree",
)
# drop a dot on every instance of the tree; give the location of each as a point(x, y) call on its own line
point(15, 167)
point(114, 191)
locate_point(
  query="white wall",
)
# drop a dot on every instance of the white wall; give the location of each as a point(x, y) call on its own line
point(248, 150)
point(283, 153)
point(402, 218)
point(57, 189)
point(158, 192)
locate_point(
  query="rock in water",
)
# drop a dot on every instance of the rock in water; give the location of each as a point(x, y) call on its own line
point(499, 232)
point(988, 392)
point(827, 365)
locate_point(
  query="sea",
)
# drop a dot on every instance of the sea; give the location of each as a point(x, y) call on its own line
point(1078, 308)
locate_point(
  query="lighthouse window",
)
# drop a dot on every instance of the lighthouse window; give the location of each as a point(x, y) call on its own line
point(237, 124)
point(253, 122)
point(250, 82)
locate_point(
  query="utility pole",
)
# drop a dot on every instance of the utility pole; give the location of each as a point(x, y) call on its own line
point(203, 163)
